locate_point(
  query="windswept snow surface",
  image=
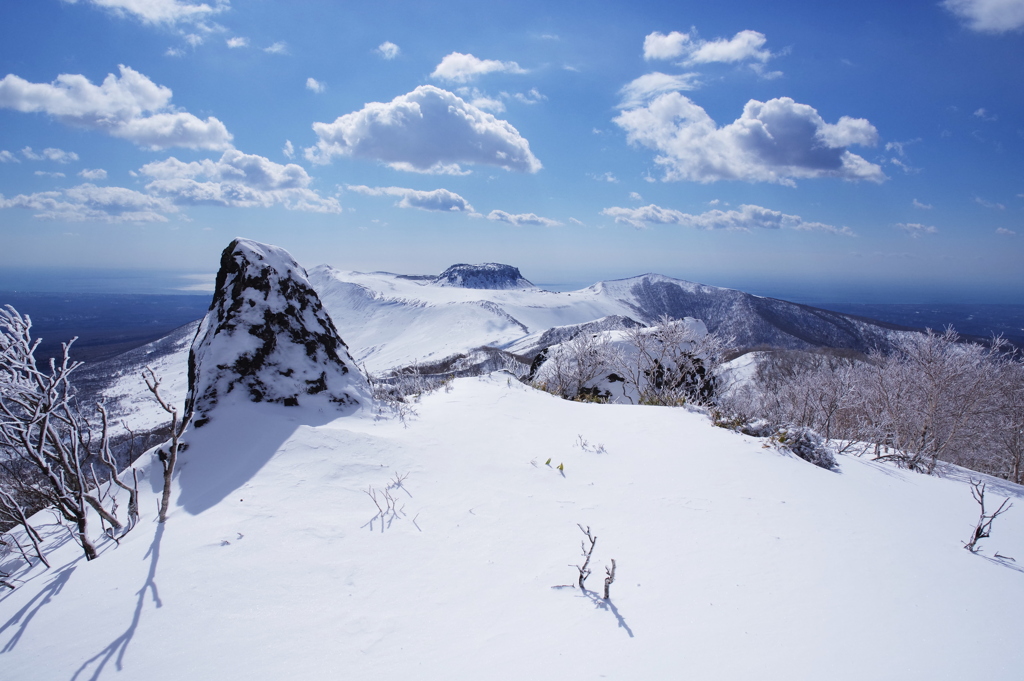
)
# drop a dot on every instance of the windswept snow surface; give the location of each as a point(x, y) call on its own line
point(734, 561)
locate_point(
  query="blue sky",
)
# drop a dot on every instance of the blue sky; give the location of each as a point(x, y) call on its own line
point(867, 151)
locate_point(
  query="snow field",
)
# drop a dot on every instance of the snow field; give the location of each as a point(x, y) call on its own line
point(734, 561)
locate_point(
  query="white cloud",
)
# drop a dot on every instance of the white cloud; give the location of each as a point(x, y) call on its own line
point(521, 219)
point(460, 68)
point(577, 222)
point(745, 219)
point(775, 141)
point(289, 149)
point(1005, 232)
point(50, 154)
point(532, 97)
point(635, 196)
point(119, 107)
point(388, 50)
point(237, 42)
point(43, 173)
point(648, 86)
point(915, 229)
point(660, 46)
point(174, 52)
point(8, 157)
point(989, 16)
point(237, 180)
point(277, 48)
point(984, 115)
point(436, 200)
point(744, 46)
point(989, 204)
point(481, 100)
point(168, 12)
point(604, 177)
point(428, 130)
point(93, 174)
point(89, 203)
point(922, 206)
point(194, 39)
point(315, 85)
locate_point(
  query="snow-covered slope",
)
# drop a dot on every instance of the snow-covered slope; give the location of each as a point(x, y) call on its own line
point(733, 561)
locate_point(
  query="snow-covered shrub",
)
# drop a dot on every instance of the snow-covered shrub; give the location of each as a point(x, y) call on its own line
point(806, 444)
point(672, 363)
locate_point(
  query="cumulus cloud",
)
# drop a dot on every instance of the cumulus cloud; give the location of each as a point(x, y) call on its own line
point(922, 206)
point(657, 45)
point(43, 173)
point(746, 219)
point(635, 196)
point(521, 219)
point(8, 157)
point(50, 154)
point(129, 106)
point(236, 180)
point(289, 149)
point(428, 130)
point(93, 174)
point(167, 12)
point(604, 177)
point(237, 42)
point(315, 85)
point(989, 16)
point(648, 86)
point(436, 200)
point(915, 229)
point(89, 203)
point(775, 141)
point(481, 100)
point(277, 48)
point(460, 68)
point(1005, 232)
point(388, 50)
point(744, 46)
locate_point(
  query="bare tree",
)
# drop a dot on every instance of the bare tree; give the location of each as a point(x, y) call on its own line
point(584, 570)
point(168, 453)
point(609, 577)
point(48, 450)
point(983, 528)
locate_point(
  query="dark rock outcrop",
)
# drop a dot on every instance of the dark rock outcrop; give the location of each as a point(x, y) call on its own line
point(267, 338)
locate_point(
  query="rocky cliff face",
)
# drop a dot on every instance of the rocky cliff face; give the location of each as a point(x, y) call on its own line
point(267, 338)
point(490, 275)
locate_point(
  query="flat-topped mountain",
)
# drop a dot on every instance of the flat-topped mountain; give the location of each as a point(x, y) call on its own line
point(491, 275)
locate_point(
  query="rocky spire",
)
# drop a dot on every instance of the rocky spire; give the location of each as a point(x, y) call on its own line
point(267, 338)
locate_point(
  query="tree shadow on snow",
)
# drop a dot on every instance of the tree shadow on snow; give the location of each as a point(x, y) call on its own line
point(227, 452)
point(602, 604)
point(119, 646)
point(35, 604)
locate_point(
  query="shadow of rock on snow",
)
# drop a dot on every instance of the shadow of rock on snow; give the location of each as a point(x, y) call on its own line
point(228, 451)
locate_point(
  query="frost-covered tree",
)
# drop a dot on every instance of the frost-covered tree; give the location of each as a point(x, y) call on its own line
point(48, 452)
